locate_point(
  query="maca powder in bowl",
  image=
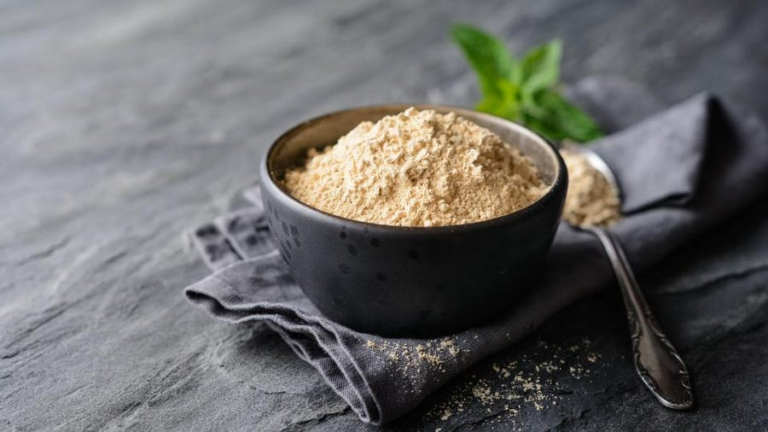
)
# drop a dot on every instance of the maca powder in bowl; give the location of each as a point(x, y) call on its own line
point(417, 169)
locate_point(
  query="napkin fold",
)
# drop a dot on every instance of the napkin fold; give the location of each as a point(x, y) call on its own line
point(682, 171)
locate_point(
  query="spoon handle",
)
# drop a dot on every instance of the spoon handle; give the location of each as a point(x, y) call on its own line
point(657, 362)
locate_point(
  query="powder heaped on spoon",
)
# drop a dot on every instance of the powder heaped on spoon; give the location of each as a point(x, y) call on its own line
point(417, 168)
point(591, 201)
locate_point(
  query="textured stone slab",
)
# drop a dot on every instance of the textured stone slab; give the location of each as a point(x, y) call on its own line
point(122, 125)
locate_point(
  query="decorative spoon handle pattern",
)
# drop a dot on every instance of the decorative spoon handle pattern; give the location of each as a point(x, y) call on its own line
point(657, 362)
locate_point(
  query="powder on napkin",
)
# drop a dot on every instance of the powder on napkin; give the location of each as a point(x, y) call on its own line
point(417, 168)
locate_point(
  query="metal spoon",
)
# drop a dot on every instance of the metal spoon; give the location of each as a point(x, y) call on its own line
point(656, 360)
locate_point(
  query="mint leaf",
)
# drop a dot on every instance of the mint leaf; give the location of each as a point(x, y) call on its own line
point(541, 67)
point(558, 119)
point(504, 106)
point(487, 55)
point(524, 91)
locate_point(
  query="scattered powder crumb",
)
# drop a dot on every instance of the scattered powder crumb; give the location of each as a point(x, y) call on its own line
point(590, 201)
point(451, 346)
point(446, 415)
point(410, 359)
point(417, 168)
point(428, 356)
point(483, 392)
point(525, 383)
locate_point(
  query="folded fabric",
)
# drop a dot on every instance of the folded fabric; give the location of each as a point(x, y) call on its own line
point(682, 172)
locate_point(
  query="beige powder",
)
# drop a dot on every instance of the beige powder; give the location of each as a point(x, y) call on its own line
point(417, 168)
point(591, 201)
point(521, 384)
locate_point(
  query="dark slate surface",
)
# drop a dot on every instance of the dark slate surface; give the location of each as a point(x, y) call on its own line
point(124, 123)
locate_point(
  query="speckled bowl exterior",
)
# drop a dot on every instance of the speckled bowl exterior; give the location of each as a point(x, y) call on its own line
point(398, 281)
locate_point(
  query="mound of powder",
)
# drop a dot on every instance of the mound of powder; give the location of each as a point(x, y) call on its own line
point(417, 168)
point(591, 201)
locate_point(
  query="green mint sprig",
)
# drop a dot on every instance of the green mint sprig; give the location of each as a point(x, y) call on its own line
point(526, 89)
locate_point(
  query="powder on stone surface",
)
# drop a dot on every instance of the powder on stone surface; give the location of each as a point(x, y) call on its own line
point(417, 168)
point(591, 201)
point(520, 384)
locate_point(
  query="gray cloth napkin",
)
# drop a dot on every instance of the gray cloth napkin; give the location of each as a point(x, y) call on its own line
point(682, 171)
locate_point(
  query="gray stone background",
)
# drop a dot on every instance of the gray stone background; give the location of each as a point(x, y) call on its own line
point(124, 123)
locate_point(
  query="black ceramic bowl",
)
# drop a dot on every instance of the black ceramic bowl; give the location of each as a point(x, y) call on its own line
point(399, 281)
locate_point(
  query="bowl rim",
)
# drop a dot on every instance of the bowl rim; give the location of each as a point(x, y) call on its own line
point(560, 179)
